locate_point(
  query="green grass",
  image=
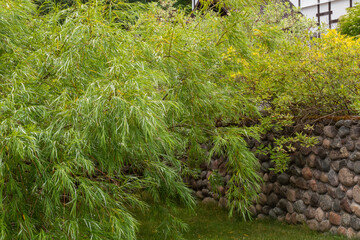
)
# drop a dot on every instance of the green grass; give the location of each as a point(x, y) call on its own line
point(212, 223)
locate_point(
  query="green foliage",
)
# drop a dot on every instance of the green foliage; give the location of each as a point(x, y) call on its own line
point(99, 108)
point(349, 23)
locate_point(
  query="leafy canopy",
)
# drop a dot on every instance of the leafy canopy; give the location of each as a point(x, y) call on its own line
point(100, 104)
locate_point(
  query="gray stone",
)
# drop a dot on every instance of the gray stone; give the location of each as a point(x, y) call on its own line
point(349, 194)
point(336, 143)
point(330, 131)
point(313, 224)
point(355, 223)
point(344, 131)
point(348, 123)
point(272, 200)
point(295, 171)
point(282, 204)
point(310, 213)
point(335, 165)
point(266, 209)
point(333, 178)
point(299, 206)
point(284, 178)
point(350, 145)
point(209, 200)
point(345, 220)
point(354, 133)
point(325, 202)
point(300, 218)
point(322, 153)
point(272, 214)
point(346, 177)
point(340, 194)
point(314, 200)
point(350, 165)
point(323, 164)
point(324, 226)
point(357, 167)
point(355, 156)
point(356, 193)
point(339, 123)
point(278, 211)
point(336, 205)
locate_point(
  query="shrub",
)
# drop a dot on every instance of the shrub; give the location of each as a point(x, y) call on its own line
point(349, 23)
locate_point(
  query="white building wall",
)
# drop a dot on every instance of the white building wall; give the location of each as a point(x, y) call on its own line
point(324, 11)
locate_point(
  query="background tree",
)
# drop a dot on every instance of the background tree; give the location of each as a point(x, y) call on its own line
point(349, 23)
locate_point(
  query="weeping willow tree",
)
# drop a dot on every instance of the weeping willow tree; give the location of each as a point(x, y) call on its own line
point(100, 105)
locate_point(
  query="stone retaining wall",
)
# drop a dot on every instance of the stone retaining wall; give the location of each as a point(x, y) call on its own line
point(321, 187)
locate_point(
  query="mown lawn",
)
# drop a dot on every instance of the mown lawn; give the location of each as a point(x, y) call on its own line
point(212, 223)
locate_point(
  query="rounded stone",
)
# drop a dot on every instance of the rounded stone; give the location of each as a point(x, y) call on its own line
point(319, 214)
point(336, 205)
point(326, 143)
point(291, 195)
point(284, 179)
point(355, 208)
point(349, 194)
point(345, 205)
point(306, 198)
point(342, 231)
point(346, 177)
point(345, 220)
point(325, 202)
point(355, 156)
point(310, 160)
point(357, 167)
point(289, 207)
point(333, 178)
point(272, 200)
point(343, 131)
point(313, 224)
point(321, 188)
point(301, 183)
point(209, 201)
point(299, 206)
point(199, 195)
point(282, 204)
point(306, 172)
point(355, 223)
point(310, 213)
point(330, 131)
point(324, 178)
point(262, 198)
point(314, 200)
point(313, 185)
point(334, 218)
point(323, 164)
point(324, 226)
point(356, 193)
